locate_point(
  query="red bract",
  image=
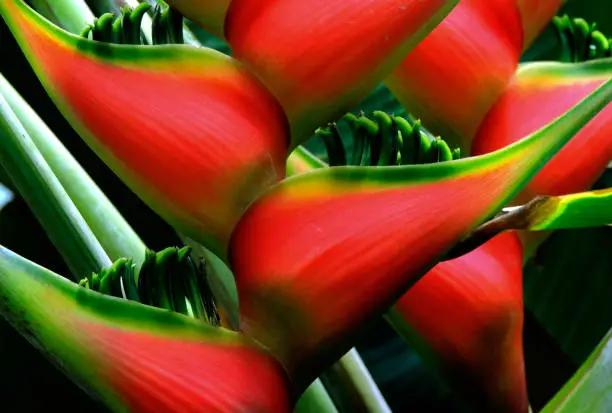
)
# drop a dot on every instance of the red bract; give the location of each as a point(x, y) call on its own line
point(159, 374)
point(320, 57)
point(134, 357)
point(323, 253)
point(189, 130)
point(455, 74)
point(467, 315)
point(538, 94)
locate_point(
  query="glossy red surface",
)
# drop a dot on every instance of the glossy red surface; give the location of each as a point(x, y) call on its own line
point(469, 313)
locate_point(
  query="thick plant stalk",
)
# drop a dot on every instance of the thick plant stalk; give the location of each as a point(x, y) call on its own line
point(106, 223)
point(315, 400)
point(72, 15)
point(352, 373)
point(47, 198)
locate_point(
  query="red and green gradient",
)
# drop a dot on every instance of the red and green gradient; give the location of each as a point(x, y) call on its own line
point(189, 130)
point(468, 315)
point(539, 93)
point(209, 14)
point(454, 76)
point(137, 358)
point(321, 57)
point(322, 253)
point(483, 292)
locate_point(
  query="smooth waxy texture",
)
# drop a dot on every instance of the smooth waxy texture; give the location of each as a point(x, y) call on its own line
point(321, 57)
point(479, 349)
point(539, 93)
point(189, 130)
point(309, 254)
point(133, 357)
point(454, 76)
point(483, 288)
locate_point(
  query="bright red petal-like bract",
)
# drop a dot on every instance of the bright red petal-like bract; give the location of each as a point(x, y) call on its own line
point(466, 317)
point(137, 358)
point(539, 93)
point(320, 57)
point(480, 352)
point(453, 77)
point(188, 129)
point(209, 14)
point(322, 253)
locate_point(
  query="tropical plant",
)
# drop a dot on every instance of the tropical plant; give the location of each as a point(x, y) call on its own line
point(314, 167)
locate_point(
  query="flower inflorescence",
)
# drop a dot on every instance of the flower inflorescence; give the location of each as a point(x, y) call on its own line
point(383, 140)
point(169, 279)
point(580, 40)
point(167, 26)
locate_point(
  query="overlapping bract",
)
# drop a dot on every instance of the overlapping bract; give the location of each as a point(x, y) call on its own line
point(320, 57)
point(308, 253)
point(468, 312)
point(317, 256)
point(137, 358)
point(539, 93)
point(189, 130)
point(457, 72)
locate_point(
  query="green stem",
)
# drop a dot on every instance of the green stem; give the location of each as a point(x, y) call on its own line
point(315, 400)
point(47, 198)
point(357, 382)
point(72, 15)
point(147, 22)
point(112, 231)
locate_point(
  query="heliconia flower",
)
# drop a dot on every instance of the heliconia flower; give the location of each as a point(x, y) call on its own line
point(539, 93)
point(453, 77)
point(320, 57)
point(479, 350)
point(209, 14)
point(322, 253)
point(137, 358)
point(188, 129)
point(483, 291)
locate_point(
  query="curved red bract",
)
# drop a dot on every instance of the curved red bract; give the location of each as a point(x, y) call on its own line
point(320, 57)
point(530, 104)
point(455, 75)
point(469, 313)
point(314, 263)
point(170, 375)
point(193, 133)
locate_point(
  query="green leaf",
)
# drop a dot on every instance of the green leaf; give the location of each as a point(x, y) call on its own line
point(567, 287)
point(47, 198)
point(112, 231)
point(590, 389)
